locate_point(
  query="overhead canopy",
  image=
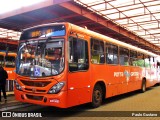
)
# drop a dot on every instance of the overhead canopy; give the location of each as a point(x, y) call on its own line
point(139, 16)
point(118, 19)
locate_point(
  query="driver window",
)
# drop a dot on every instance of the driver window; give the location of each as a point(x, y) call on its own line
point(78, 54)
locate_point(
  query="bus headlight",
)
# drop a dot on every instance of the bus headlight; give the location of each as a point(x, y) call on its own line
point(56, 88)
point(18, 87)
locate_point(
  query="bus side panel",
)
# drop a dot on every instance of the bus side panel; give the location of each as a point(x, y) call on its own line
point(154, 76)
point(158, 75)
point(135, 81)
point(113, 80)
point(109, 74)
point(148, 77)
point(122, 88)
point(125, 79)
point(79, 88)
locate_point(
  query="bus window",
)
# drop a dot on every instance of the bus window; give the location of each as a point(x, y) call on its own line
point(140, 60)
point(133, 58)
point(124, 56)
point(10, 61)
point(97, 51)
point(152, 62)
point(158, 64)
point(78, 54)
point(147, 62)
point(111, 54)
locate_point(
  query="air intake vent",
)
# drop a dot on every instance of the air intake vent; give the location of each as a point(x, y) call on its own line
point(36, 83)
point(32, 97)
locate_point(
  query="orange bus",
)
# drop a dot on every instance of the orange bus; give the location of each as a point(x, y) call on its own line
point(64, 65)
point(8, 62)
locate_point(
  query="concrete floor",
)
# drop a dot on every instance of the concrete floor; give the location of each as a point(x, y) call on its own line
point(115, 108)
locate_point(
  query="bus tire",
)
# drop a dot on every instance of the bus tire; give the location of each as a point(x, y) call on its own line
point(97, 96)
point(143, 88)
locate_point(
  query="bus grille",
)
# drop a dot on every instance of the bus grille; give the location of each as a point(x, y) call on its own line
point(32, 97)
point(37, 90)
point(36, 83)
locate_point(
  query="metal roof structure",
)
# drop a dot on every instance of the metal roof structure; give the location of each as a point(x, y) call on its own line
point(9, 34)
point(9, 39)
point(139, 16)
point(132, 21)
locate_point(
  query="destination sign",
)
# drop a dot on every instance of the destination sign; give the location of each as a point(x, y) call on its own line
point(45, 31)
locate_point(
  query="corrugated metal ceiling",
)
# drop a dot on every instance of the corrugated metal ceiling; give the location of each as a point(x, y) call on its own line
point(139, 16)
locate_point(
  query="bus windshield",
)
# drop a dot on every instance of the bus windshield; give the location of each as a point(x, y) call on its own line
point(39, 58)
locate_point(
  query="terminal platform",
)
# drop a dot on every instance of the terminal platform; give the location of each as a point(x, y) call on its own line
point(11, 103)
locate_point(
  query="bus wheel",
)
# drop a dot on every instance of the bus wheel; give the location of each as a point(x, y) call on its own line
point(143, 89)
point(97, 96)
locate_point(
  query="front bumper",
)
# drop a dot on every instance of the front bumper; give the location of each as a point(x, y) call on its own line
point(57, 100)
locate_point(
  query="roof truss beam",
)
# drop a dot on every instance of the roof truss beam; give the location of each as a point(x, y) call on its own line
point(108, 24)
